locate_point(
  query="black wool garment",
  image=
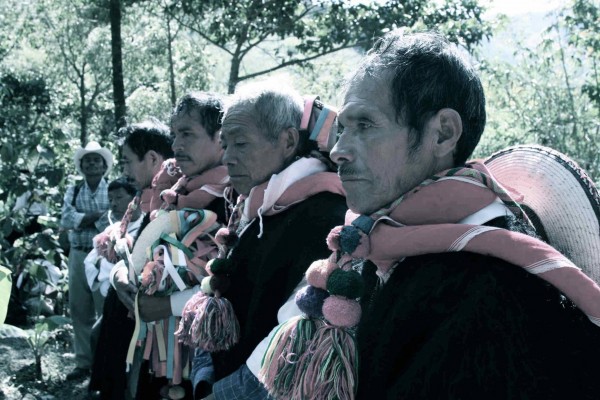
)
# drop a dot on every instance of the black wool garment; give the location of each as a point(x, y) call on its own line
point(268, 269)
point(467, 326)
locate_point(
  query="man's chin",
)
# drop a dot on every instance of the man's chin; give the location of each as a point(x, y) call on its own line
point(360, 204)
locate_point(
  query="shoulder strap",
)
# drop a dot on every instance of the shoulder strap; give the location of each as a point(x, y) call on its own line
point(76, 191)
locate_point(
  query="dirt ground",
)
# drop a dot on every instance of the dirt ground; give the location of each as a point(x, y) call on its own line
point(17, 370)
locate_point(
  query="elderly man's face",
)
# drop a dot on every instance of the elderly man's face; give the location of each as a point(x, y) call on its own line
point(195, 151)
point(251, 158)
point(372, 154)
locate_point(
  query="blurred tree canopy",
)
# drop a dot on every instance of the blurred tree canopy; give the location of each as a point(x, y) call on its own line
point(550, 93)
point(318, 27)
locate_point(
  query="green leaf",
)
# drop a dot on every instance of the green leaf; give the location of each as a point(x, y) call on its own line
point(7, 152)
point(44, 152)
point(45, 241)
point(5, 289)
point(56, 321)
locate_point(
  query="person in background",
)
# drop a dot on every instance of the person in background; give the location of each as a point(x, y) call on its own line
point(195, 126)
point(83, 206)
point(101, 259)
point(98, 263)
point(144, 148)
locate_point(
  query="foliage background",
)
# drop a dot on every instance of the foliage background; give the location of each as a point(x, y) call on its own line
point(56, 89)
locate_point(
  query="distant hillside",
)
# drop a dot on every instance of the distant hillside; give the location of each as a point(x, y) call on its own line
point(526, 28)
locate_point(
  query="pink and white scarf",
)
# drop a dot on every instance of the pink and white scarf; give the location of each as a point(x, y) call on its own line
point(425, 221)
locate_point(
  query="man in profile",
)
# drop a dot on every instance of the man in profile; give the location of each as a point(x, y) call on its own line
point(438, 321)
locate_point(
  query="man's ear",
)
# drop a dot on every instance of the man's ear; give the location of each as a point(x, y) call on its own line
point(153, 158)
point(289, 139)
point(449, 131)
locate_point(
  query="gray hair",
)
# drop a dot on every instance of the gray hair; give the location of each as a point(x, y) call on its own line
point(273, 105)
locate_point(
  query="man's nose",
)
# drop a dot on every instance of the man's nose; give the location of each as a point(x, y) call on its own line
point(228, 157)
point(177, 144)
point(341, 152)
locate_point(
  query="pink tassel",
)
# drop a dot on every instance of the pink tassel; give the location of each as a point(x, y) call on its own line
point(215, 326)
point(331, 371)
point(281, 363)
point(187, 317)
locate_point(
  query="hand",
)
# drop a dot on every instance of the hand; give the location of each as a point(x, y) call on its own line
point(125, 289)
point(90, 219)
point(153, 308)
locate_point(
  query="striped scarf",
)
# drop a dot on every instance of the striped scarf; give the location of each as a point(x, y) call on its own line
point(423, 221)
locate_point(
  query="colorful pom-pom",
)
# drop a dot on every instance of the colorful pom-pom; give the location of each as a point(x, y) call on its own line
point(318, 273)
point(310, 301)
point(349, 238)
point(221, 266)
point(205, 286)
point(333, 239)
point(340, 311)
point(345, 283)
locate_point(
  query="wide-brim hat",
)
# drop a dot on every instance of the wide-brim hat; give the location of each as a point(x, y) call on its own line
point(560, 199)
point(93, 147)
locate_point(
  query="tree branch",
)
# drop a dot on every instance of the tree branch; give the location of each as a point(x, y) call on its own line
point(299, 61)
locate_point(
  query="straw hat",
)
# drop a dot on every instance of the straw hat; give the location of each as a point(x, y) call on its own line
point(558, 196)
point(93, 147)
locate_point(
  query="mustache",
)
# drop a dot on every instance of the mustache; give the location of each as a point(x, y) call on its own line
point(181, 156)
point(347, 170)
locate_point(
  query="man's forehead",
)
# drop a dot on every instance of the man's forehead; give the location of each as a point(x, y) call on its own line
point(237, 124)
point(355, 108)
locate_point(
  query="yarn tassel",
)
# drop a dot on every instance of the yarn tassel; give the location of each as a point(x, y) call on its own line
point(215, 326)
point(187, 317)
point(281, 362)
point(331, 371)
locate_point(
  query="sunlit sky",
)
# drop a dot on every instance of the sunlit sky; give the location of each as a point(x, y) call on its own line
point(508, 7)
point(515, 7)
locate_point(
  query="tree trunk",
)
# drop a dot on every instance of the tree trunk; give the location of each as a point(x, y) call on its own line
point(171, 67)
point(117, 64)
point(83, 118)
point(234, 74)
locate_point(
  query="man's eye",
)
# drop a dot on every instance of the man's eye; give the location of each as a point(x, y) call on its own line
point(364, 125)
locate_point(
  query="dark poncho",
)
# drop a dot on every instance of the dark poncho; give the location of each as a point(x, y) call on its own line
point(269, 268)
point(467, 326)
